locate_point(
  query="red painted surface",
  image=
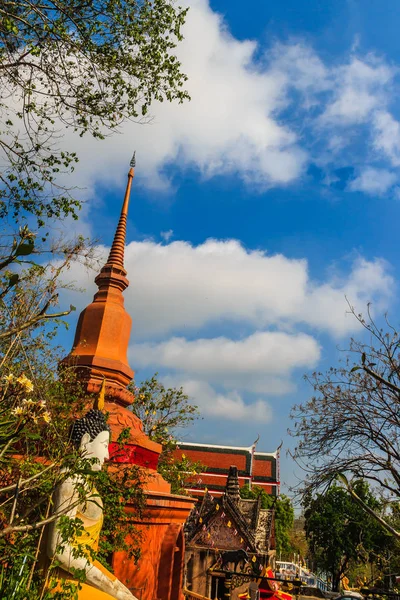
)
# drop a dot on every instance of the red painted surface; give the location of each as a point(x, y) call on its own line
point(214, 460)
point(217, 461)
point(134, 455)
point(262, 468)
point(159, 571)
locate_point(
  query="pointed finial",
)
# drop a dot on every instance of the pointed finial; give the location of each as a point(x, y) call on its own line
point(99, 402)
point(116, 256)
point(232, 484)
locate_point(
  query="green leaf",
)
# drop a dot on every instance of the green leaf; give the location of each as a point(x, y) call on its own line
point(25, 248)
point(13, 280)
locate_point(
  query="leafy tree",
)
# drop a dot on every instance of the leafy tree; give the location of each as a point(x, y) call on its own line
point(86, 66)
point(284, 515)
point(339, 533)
point(29, 288)
point(351, 427)
point(298, 539)
point(163, 413)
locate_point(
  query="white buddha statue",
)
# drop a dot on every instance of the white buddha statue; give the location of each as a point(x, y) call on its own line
point(91, 435)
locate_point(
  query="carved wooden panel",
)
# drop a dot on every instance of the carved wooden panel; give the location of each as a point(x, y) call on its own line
point(219, 535)
point(264, 527)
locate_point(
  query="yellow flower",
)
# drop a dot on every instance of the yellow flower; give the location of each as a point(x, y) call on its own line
point(42, 403)
point(18, 411)
point(25, 382)
point(9, 378)
point(46, 416)
point(27, 402)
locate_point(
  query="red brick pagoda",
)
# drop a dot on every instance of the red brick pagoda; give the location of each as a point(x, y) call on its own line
point(99, 355)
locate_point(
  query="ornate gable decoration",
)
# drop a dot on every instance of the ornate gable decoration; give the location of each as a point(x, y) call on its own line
point(219, 524)
point(219, 535)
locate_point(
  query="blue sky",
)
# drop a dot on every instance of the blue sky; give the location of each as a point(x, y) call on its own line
point(257, 207)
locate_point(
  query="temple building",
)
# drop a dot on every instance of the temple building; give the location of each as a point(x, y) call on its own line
point(226, 527)
point(254, 468)
point(99, 354)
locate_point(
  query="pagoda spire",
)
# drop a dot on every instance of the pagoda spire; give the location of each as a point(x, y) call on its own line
point(100, 349)
point(232, 488)
point(116, 256)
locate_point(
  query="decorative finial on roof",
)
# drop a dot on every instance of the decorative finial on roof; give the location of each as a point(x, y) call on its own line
point(232, 484)
point(116, 256)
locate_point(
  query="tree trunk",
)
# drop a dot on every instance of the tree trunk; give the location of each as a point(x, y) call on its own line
point(335, 581)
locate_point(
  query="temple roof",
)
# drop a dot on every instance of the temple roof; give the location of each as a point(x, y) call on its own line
point(252, 526)
point(217, 446)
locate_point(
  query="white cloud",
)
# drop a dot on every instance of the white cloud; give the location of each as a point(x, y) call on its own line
point(359, 87)
point(374, 181)
point(387, 136)
point(368, 281)
point(301, 68)
point(229, 126)
point(179, 287)
point(259, 113)
point(229, 406)
point(260, 363)
point(167, 235)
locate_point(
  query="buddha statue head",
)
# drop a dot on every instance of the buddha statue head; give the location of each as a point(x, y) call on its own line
point(91, 436)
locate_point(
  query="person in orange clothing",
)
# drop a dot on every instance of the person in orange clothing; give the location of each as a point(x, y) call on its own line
point(268, 588)
point(91, 435)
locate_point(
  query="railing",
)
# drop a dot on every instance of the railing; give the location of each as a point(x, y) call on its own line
point(193, 596)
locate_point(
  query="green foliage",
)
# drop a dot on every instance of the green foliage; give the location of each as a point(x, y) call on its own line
point(339, 532)
point(119, 488)
point(35, 416)
point(29, 289)
point(35, 457)
point(163, 412)
point(86, 66)
point(284, 515)
point(28, 425)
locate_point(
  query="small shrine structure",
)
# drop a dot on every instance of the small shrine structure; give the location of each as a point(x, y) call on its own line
point(99, 355)
point(222, 530)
